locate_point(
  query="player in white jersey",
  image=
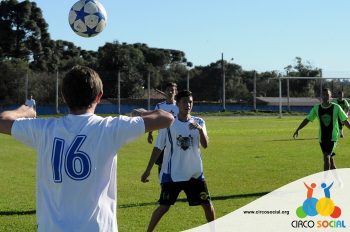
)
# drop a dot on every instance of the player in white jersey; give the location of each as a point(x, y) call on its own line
point(30, 102)
point(76, 163)
point(169, 105)
point(182, 167)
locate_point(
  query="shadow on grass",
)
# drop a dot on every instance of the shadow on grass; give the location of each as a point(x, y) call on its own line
point(10, 213)
point(291, 139)
point(215, 198)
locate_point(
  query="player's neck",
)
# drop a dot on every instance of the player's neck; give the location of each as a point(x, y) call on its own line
point(184, 117)
point(90, 110)
point(326, 103)
point(170, 101)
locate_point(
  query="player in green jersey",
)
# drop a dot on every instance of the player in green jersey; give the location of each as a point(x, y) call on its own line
point(344, 104)
point(327, 113)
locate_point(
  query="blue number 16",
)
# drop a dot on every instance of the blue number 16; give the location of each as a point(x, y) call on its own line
point(77, 163)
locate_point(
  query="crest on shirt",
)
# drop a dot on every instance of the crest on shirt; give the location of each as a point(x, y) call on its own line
point(326, 119)
point(184, 142)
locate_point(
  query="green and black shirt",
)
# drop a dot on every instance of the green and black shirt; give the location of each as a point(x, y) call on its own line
point(328, 118)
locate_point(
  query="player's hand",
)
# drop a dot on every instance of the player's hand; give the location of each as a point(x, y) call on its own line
point(138, 112)
point(144, 177)
point(150, 138)
point(194, 125)
point(296, 134)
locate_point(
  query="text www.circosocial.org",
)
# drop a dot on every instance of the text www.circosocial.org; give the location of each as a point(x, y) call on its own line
point(285, 212)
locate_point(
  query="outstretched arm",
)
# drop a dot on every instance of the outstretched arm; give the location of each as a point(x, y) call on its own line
point(301, 126)
point(330, 186)
point(8, 117)
point(155, 154)
point(154, 119)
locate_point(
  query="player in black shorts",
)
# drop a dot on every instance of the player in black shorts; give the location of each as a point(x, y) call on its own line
point(195, 190)
point(182, 168)
point(328, 113)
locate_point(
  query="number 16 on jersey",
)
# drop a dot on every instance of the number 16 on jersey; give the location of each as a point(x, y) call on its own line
point(77, 164)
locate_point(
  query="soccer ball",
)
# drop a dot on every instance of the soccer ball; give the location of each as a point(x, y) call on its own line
point(87, 18)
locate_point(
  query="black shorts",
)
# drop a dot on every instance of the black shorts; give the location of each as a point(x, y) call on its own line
point(195, 190)
point(328, 147)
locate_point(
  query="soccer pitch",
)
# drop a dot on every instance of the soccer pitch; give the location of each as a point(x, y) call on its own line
point(247, 157)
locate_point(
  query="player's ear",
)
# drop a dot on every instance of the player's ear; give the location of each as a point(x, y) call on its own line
point(98, 97)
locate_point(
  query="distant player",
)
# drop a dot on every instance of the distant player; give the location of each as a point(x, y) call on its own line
point(327, 113)
point(76, 163)
point(30, 102)
point(169, 105)
point(344, 104)
point(182, 167)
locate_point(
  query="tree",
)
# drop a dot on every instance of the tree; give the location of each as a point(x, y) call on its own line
point(206, 82)
point(23, 30)
point(12, 81)
point(236, 87)
point(126, 59)
point(135, 61)
point(302, 88)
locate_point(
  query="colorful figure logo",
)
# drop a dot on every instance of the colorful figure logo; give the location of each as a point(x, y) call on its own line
point(323, 206)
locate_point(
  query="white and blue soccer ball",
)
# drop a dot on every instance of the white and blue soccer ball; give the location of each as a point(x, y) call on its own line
point(87, 18)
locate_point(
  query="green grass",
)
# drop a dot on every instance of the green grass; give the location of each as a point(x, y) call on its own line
point(246, 157)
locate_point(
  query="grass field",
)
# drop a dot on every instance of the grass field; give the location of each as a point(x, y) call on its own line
point(246, 158)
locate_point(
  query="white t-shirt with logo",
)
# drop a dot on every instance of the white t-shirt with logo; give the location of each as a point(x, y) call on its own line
point(76, 168)
point(182, 158)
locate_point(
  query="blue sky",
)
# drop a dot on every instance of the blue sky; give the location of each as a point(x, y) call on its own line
point(263, 35)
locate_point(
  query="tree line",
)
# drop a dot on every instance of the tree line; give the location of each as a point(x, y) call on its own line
point(27, 50)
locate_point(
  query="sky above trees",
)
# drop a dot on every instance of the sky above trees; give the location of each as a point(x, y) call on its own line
point(261, 35)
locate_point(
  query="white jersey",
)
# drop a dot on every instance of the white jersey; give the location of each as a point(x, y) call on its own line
point(182, 158)
point(76, 168)
point(30, 103)
point(168, 107)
